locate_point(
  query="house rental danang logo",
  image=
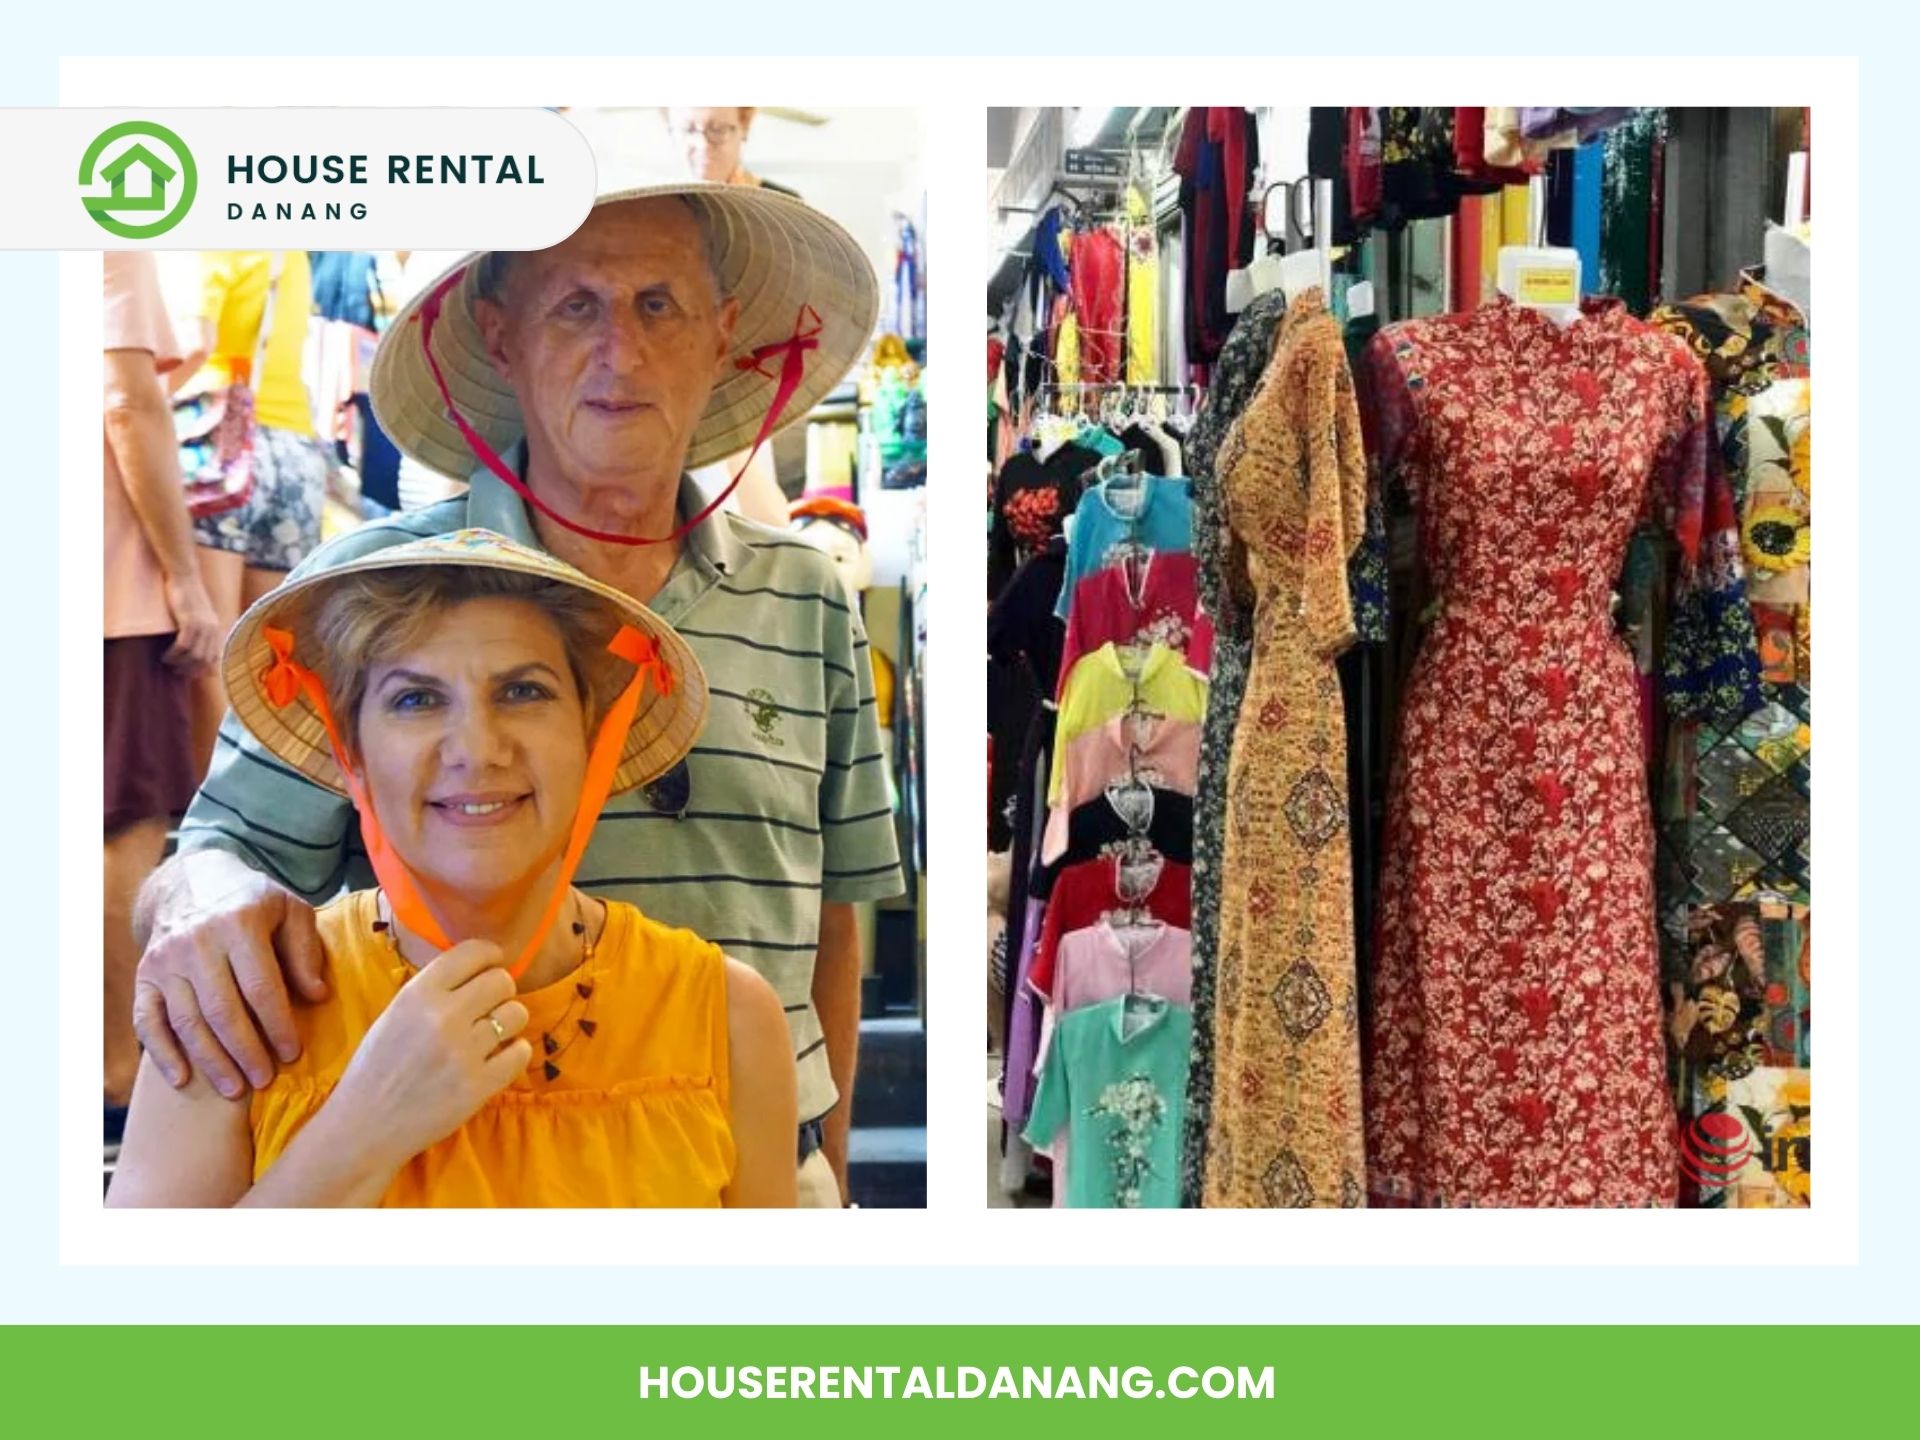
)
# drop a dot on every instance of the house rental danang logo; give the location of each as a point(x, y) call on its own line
point(148, 175)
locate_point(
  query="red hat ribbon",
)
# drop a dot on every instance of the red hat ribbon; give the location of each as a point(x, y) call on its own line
point(791, 351)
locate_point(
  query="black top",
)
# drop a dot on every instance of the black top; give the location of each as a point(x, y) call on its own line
point(1021, 625)
point(1417, 180)
point(1095, 825)
point(1031, 502)
point(1327, 160)
point(1153, 459)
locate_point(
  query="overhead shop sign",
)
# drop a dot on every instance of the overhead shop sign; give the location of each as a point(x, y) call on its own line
point(1096, 164)
point(293, 179)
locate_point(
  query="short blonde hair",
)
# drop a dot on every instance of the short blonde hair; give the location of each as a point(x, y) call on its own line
point(364, 619)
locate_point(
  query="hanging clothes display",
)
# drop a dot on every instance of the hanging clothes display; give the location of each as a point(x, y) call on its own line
point(1417, 180)
point(1099, 300)
point(1110, 1067)
point(1470, 157)
point(1633, 166)
point(1516, 1053)
point(1032, 498)
point(1286, 1127)
point(1111, 682)
point(1122, 697)
point(1125, 806)
point(1143, 291)
point(1085, 892)
point(1217, 156)
point(1424, 813)
point(1023, 643)
point(1162, 752)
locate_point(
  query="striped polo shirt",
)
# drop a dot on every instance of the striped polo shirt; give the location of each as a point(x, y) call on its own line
point(789, 806)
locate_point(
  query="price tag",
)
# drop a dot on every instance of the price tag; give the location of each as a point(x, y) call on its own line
point(1548, 285)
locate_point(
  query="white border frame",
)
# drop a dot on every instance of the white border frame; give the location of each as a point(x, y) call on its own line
point(960, 1231)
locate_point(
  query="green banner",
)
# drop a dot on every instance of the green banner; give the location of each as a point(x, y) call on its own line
point(276, 1382)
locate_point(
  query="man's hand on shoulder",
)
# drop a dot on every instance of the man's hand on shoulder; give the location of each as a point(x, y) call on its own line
point(222, 941)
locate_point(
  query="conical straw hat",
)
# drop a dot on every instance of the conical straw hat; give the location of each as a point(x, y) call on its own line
point(664, 727)
point(777, 256)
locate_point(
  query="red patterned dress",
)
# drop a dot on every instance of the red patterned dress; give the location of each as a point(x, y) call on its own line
point(1514, 1051)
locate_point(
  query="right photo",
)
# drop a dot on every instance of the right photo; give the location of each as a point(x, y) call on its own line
point(1399, 677)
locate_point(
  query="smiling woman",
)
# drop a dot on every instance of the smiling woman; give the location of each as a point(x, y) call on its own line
point(492, 1036)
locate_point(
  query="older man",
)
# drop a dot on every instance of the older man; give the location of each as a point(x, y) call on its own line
point(587, 379)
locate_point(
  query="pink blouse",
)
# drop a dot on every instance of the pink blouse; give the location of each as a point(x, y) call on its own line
point(1162, 751)
point(1093, 965)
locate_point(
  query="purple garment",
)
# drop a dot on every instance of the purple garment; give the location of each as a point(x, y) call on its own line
point(1023, 1033)
point(1092, 966)
point(1585, 122)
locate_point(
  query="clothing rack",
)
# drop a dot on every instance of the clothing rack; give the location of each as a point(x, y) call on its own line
point(1118, 387)
point(1047, 385)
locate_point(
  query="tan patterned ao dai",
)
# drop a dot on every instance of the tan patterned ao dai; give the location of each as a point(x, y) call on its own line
point(1286, 1126)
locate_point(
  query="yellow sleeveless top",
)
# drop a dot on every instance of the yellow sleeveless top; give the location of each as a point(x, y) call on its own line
point(636, 1116)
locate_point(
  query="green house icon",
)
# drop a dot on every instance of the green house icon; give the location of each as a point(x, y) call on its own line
point(159, 176)
point(140, 181)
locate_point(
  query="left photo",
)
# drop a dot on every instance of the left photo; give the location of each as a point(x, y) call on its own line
point(514, 745)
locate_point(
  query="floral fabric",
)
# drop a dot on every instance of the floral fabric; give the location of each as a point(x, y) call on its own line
point(1762, 1160)
point(1515, 1055)
point(1031, 503)
point(1285, 1124)
point(279, 526)
point(1243, 359)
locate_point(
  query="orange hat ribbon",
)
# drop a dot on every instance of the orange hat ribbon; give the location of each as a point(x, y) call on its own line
point(286, 678)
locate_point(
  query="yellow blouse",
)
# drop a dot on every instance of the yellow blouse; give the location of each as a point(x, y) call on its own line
point(233, 295)
point(637, 1115)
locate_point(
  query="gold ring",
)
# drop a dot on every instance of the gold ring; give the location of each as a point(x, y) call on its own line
point(499, 1030)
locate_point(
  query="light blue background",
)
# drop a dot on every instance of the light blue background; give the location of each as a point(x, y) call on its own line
point(1882, 1287)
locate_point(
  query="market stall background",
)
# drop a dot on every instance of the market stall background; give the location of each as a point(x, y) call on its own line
point(1144, 257)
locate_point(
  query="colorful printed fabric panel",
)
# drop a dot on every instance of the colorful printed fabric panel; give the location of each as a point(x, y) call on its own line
point(1755, 1145)
point(1734, 879)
